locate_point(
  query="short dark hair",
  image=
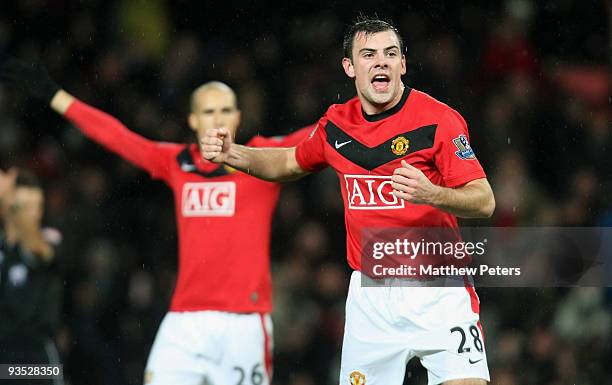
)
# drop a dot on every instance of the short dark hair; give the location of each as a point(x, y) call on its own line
point(368, 25)
point(26, 178)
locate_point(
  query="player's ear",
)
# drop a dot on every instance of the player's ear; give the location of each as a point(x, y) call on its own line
point(192, 120)
point(349, 70)
point(403, 70)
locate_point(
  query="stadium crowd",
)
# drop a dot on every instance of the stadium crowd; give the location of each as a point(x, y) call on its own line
point(531, 78)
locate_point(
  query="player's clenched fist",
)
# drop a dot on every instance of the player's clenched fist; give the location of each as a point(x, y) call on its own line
point(411, 184)
point(215, 144)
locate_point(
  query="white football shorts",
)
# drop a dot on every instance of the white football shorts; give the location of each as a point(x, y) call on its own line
point(211, 348)
point(387, 326)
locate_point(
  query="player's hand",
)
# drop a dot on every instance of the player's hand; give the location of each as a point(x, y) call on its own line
point(30, 78)
point(411, 184)
point(215, 144)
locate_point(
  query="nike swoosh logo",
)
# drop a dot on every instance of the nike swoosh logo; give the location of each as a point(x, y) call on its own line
point(187, 167)
point(338, 145)
point(474, 362)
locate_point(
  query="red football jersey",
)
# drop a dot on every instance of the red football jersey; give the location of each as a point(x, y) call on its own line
point(223, 216)
point(366, 149)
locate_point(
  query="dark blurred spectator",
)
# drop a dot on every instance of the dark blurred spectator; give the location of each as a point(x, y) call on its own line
point(30, 286)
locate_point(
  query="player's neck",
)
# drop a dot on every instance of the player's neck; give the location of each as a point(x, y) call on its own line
point(374, 109)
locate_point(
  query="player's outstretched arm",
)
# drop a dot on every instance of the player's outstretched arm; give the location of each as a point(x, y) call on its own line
point(34, 80)
point(271, 164)
point(473, 200)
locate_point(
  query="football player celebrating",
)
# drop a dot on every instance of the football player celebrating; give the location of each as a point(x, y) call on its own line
point(404, 160)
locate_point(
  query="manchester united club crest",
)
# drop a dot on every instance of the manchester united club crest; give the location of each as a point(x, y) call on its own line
point(399, 145)
point(357, 378)
point(229, 169)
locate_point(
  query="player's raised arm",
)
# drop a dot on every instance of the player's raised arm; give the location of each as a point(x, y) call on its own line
point(272, 164)
point(34, 80)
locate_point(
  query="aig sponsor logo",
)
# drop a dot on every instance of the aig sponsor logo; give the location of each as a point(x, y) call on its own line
point(209, 199)
point(371, 192)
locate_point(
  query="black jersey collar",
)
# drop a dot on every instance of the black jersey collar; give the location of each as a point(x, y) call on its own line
point(390, 111)
point(187, 163)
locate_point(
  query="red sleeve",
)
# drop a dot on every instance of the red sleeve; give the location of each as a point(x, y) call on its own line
point(114, 136)
point(310, 153)
point(296, 137)
point(290, 140)
point(454, 157)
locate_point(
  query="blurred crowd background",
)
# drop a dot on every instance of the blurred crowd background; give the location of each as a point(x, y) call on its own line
point(531, 78)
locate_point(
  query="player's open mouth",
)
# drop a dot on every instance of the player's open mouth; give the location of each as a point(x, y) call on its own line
point(381, 82)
